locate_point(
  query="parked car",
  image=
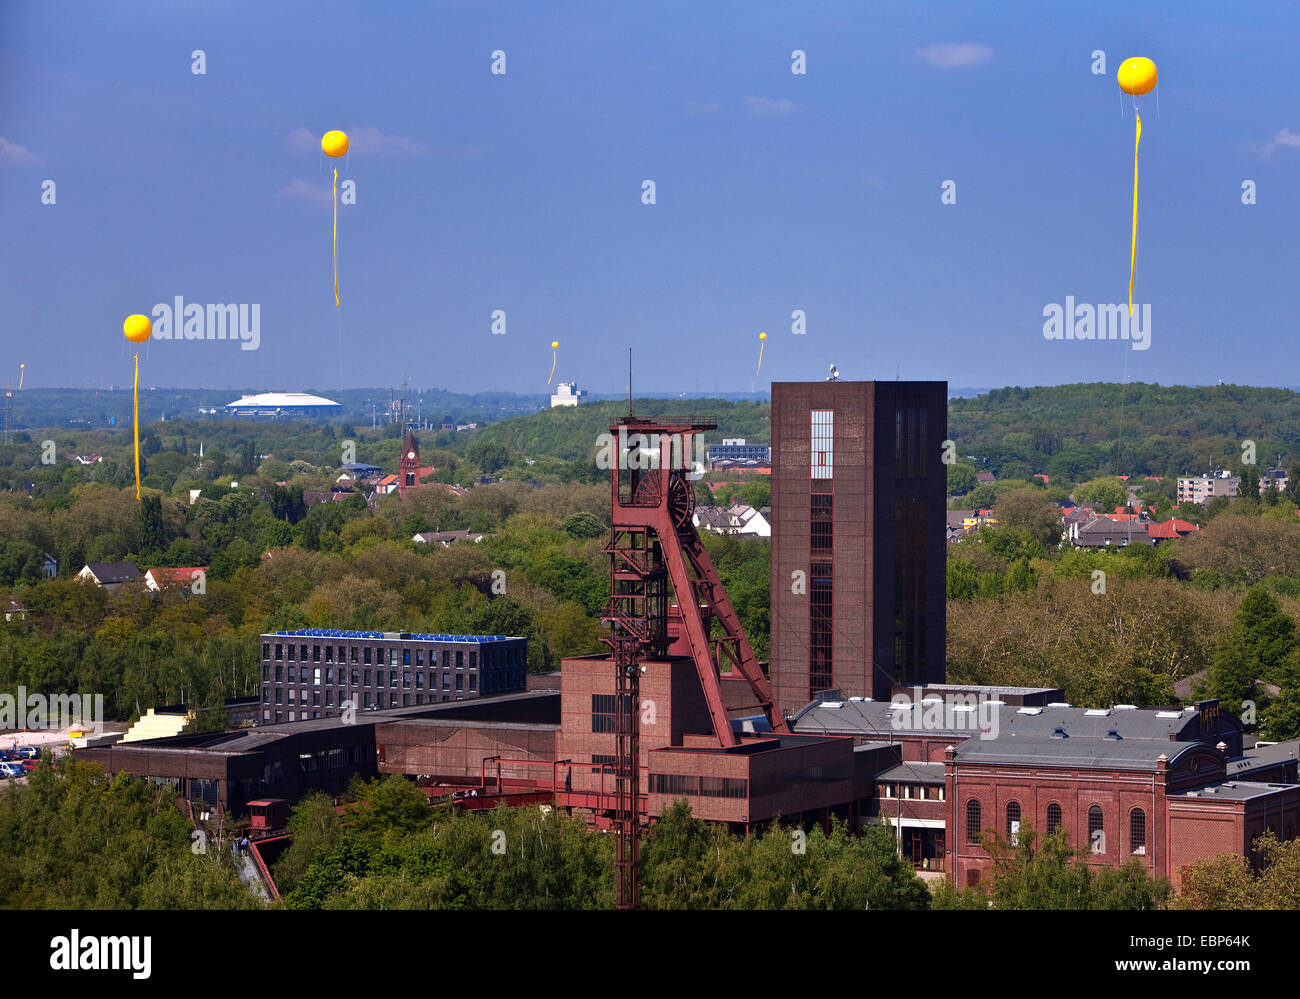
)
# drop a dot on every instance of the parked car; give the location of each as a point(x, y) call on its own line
point(12, 770)
point(28, 753)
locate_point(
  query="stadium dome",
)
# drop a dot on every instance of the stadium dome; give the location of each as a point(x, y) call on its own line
point(274, 404)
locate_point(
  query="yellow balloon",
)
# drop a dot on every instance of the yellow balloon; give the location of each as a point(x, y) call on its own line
point(334, 143)
point(762, 336)
point(137, 328)
point(1137, 76)
point(555, 343)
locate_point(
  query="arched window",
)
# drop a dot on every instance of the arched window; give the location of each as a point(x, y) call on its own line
point(1013, 821)
point(1096, 830)
point(1137, 831)
point(973, 822)
point(1053, 818)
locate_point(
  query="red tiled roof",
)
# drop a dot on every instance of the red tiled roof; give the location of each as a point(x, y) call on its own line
point(1173, 528)
point(183, 575)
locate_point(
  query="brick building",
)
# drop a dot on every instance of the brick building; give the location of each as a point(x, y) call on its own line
point(858, 511)
point(1165, 786)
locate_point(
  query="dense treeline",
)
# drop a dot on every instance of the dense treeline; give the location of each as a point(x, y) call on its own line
point(1078, 432)
point(341, 565)
point(1215, 610)
point(1034, 873)
point(76, 838)
point(390, 851)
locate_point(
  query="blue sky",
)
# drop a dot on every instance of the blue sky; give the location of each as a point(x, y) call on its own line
point(523, 192)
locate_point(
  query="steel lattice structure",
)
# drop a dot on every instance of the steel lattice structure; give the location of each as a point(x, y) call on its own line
point(654, 545)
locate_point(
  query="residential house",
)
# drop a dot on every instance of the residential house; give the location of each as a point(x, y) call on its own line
point(1118, 531)
point(1173, 528)
point(111, 575)
point(739, 519)
point(182, 578)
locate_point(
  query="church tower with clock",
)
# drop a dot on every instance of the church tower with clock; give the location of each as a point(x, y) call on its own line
point(409, 471)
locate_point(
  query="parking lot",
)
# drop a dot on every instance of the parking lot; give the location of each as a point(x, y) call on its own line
point(19, 751)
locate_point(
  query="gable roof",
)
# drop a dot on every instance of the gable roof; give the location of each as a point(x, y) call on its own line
point(114, 572)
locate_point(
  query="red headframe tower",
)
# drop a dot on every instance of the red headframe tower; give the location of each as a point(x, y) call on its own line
point(654, 544)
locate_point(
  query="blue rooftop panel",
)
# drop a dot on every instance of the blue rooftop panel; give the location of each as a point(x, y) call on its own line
point(419, 637)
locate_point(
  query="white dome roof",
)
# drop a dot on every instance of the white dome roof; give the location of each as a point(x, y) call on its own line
point(280, 400)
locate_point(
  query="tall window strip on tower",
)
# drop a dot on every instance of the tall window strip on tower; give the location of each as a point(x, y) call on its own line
point(823, 425)
point(821, 545)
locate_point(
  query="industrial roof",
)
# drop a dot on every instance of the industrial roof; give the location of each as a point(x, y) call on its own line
point(913, 773)
point(1237, 790)
point(280, 400)
point(267, 732)
point(881, 720)
point(1267, 755)
point(1137, 754)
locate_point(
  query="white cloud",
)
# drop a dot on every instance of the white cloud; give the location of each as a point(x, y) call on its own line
point(955, 55)
point(12, 154)
point(763, 107)
point(304, 191)
point(302, 139)
point(1284, 137)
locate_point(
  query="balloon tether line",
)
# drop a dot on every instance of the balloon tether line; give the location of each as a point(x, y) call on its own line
point(336, 237)
point(136, 423)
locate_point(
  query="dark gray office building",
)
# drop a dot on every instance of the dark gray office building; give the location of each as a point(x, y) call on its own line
point(319, 672)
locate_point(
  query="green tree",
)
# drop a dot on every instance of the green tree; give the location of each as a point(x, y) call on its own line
point(487, 455)
point(1261, 638)
point(153, 535)
point(1104, 494)
point(1030, 511)
point(961, 478)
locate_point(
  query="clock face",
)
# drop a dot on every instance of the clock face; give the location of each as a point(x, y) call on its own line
point(411, 455)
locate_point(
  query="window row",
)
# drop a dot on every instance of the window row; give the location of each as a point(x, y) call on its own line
point(706, 787)
point(913, 792)
point(493, 680)
point(1137, 825)
point(367, 700)
point(368, 656)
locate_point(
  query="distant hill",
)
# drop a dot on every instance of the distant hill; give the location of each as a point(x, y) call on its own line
point(1075, 431)
point(571, 432)
point(1071, 432)
point(96, 408)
